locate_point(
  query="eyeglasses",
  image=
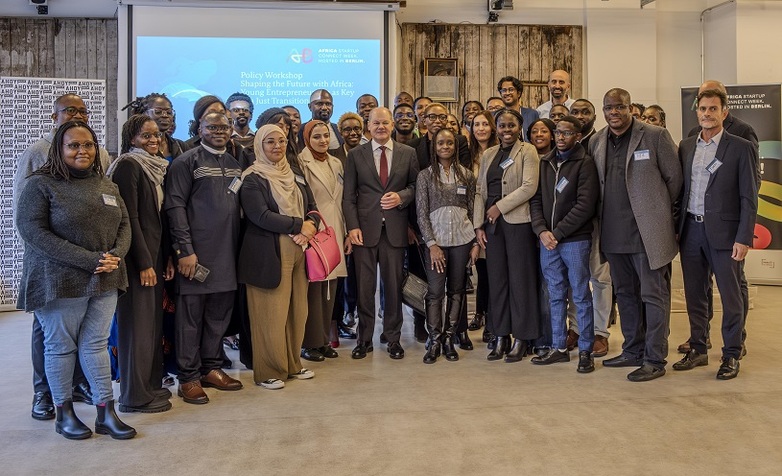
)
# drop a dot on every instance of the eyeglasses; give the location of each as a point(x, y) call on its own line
point(323, 103)
point(401, 115)
point(508, 90)
point(240, 110)
point(87, 146)
point(162, 111)
point(272, 143)
point(213, 128)
point(357, 130)
point(615, 107)
point(72, 111)
point(437, 117)
point(565, 133)
point(149, 135)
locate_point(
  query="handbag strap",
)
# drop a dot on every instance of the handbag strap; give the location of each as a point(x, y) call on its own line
point(322, 220)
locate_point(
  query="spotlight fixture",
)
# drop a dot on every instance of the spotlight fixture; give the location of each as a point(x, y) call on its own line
point(496, 6)
point(42, 6)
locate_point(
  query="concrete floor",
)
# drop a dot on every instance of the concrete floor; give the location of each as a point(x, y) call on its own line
point(380, 416)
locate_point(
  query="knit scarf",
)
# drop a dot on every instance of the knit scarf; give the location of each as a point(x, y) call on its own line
point(154, 168)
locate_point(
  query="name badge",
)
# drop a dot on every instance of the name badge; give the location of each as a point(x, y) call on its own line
point(461, 190)
point(506, 163)
point(641, 155)
point(562, 184)
point(110, 200)
point(713, 166)
point(300, 179)
point(236, 184)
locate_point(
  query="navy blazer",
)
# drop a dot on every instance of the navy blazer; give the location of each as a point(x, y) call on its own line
point(731, 200)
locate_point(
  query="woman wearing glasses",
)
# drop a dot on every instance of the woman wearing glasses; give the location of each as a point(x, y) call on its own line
point(76, 231)
point(158, 107)
point(271, 259)
point(139, 173)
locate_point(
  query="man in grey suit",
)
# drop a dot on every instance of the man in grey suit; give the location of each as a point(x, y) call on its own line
point(719, 204)
point(640, 179)
point(379, 184)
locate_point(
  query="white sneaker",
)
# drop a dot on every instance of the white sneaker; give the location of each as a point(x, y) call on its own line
point(272, 384)
point(303, 374)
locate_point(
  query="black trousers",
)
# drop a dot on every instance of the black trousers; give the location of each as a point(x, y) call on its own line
point(699, 260)
point(644, 299)
point(40, 383)
point(744, 295)
point(449, 283)
point(391, 260)
point(140, 339)
point(482, 287)
point(513, 262)
point(201, 321)
point(415, 265)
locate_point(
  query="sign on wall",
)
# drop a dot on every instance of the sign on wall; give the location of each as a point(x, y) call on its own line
point(25, 118)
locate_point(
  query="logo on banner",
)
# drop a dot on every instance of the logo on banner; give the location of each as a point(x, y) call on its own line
point(304, 57)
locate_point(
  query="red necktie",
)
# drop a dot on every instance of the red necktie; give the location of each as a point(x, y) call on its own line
point(383, 166)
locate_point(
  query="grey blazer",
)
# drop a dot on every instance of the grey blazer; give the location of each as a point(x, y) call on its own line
point(653, 186)
point(362, 193)
point(519, 184)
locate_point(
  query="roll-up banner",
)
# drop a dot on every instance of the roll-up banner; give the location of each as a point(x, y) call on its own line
point(759, 105)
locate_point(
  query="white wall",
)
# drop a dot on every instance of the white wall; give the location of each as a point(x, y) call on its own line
point(758, 38)
point(719, 46)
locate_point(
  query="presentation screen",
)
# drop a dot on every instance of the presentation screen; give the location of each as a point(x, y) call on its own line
point(275, 57)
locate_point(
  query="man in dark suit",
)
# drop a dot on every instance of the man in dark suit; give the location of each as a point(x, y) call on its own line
point(640, 179)
point(736, 127)
point(379, 184)
point(718, 209)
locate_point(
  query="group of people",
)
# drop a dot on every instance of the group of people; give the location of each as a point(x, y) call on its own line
point(212, 232)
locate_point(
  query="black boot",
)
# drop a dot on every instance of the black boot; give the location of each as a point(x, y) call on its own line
point(476, 322)
point(449, 350)
point(518, 351)
point(432, 352)
point(487, 337)
point(464, 341)
point(68, 424)
point(108, 423)
point(501, 345)
point(420, 327)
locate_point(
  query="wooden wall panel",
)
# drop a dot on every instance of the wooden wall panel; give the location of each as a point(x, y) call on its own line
point(488, 52)
point(64, 48)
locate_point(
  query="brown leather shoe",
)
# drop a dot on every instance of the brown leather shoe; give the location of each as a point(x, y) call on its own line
point(600, 348)
point(685, 348)
point(191, 392)
point(220, 380)
point(572, 339)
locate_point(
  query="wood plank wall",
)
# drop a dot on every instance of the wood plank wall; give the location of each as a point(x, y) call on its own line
point(486, 53)
point(72, 48)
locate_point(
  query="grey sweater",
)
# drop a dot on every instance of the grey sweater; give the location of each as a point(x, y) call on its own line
point(66, 227)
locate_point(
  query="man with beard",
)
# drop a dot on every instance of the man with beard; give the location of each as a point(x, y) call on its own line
point(558, 88)
point(322, 107)
point(364, 105)
point(201, 197)
point(404, 123)
point(584, 111)
point(241, 107)
point(510, 90)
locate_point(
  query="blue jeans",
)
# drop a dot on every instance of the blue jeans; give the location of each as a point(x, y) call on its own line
point(78, 328)
point(569, 263)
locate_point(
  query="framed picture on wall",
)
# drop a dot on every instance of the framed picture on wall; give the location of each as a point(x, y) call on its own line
point(441, 80)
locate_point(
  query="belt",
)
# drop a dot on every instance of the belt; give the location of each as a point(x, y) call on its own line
point(697, 218)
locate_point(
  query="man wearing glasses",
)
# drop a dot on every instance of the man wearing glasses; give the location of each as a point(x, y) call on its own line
point(640, 179)
point(202, 188)
point(510, 90)
point(68, 107)
point(241, 107)
point(404, 123)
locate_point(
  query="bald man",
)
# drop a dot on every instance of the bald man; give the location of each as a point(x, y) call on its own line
point(321, 106)
point(558, 88)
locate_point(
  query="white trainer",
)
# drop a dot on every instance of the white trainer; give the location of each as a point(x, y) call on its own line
point(303, 374)
point(272, 384)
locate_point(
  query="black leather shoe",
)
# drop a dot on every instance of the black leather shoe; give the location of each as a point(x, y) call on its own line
point(501, 345)
point(691, 360)
point(349, 319)
point(449, 350)
point(68, 424)
point(622, 360)
point(313, 355)
point(43, 407)
point(645, 373)
point(729, 369)
point(476, 322)
point(586, 362)
point(157, 405)
point(432, 353)
point(361, 350)
point(464, 341)
point(487, 336)
point(82, 393)
point(517, 352)
point(108, 423)
point(346, 332)
point(552, 357)
point(396, 351)
point(383, 338)
point(328, 352)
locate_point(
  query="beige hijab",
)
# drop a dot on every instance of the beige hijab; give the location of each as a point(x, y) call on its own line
point(280, 176)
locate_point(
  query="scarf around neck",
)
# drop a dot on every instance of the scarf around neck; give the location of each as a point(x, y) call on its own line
point(281, 179)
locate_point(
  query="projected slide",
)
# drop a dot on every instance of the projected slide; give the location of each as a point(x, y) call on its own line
point(272, 71)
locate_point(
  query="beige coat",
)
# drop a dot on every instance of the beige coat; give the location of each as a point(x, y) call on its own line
point(329, 200)
point(519, 184)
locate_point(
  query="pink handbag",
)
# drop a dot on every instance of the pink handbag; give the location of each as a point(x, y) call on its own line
point(323, 253)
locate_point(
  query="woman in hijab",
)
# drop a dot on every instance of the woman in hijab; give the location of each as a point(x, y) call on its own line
point(323, 173)
point(275, 203)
